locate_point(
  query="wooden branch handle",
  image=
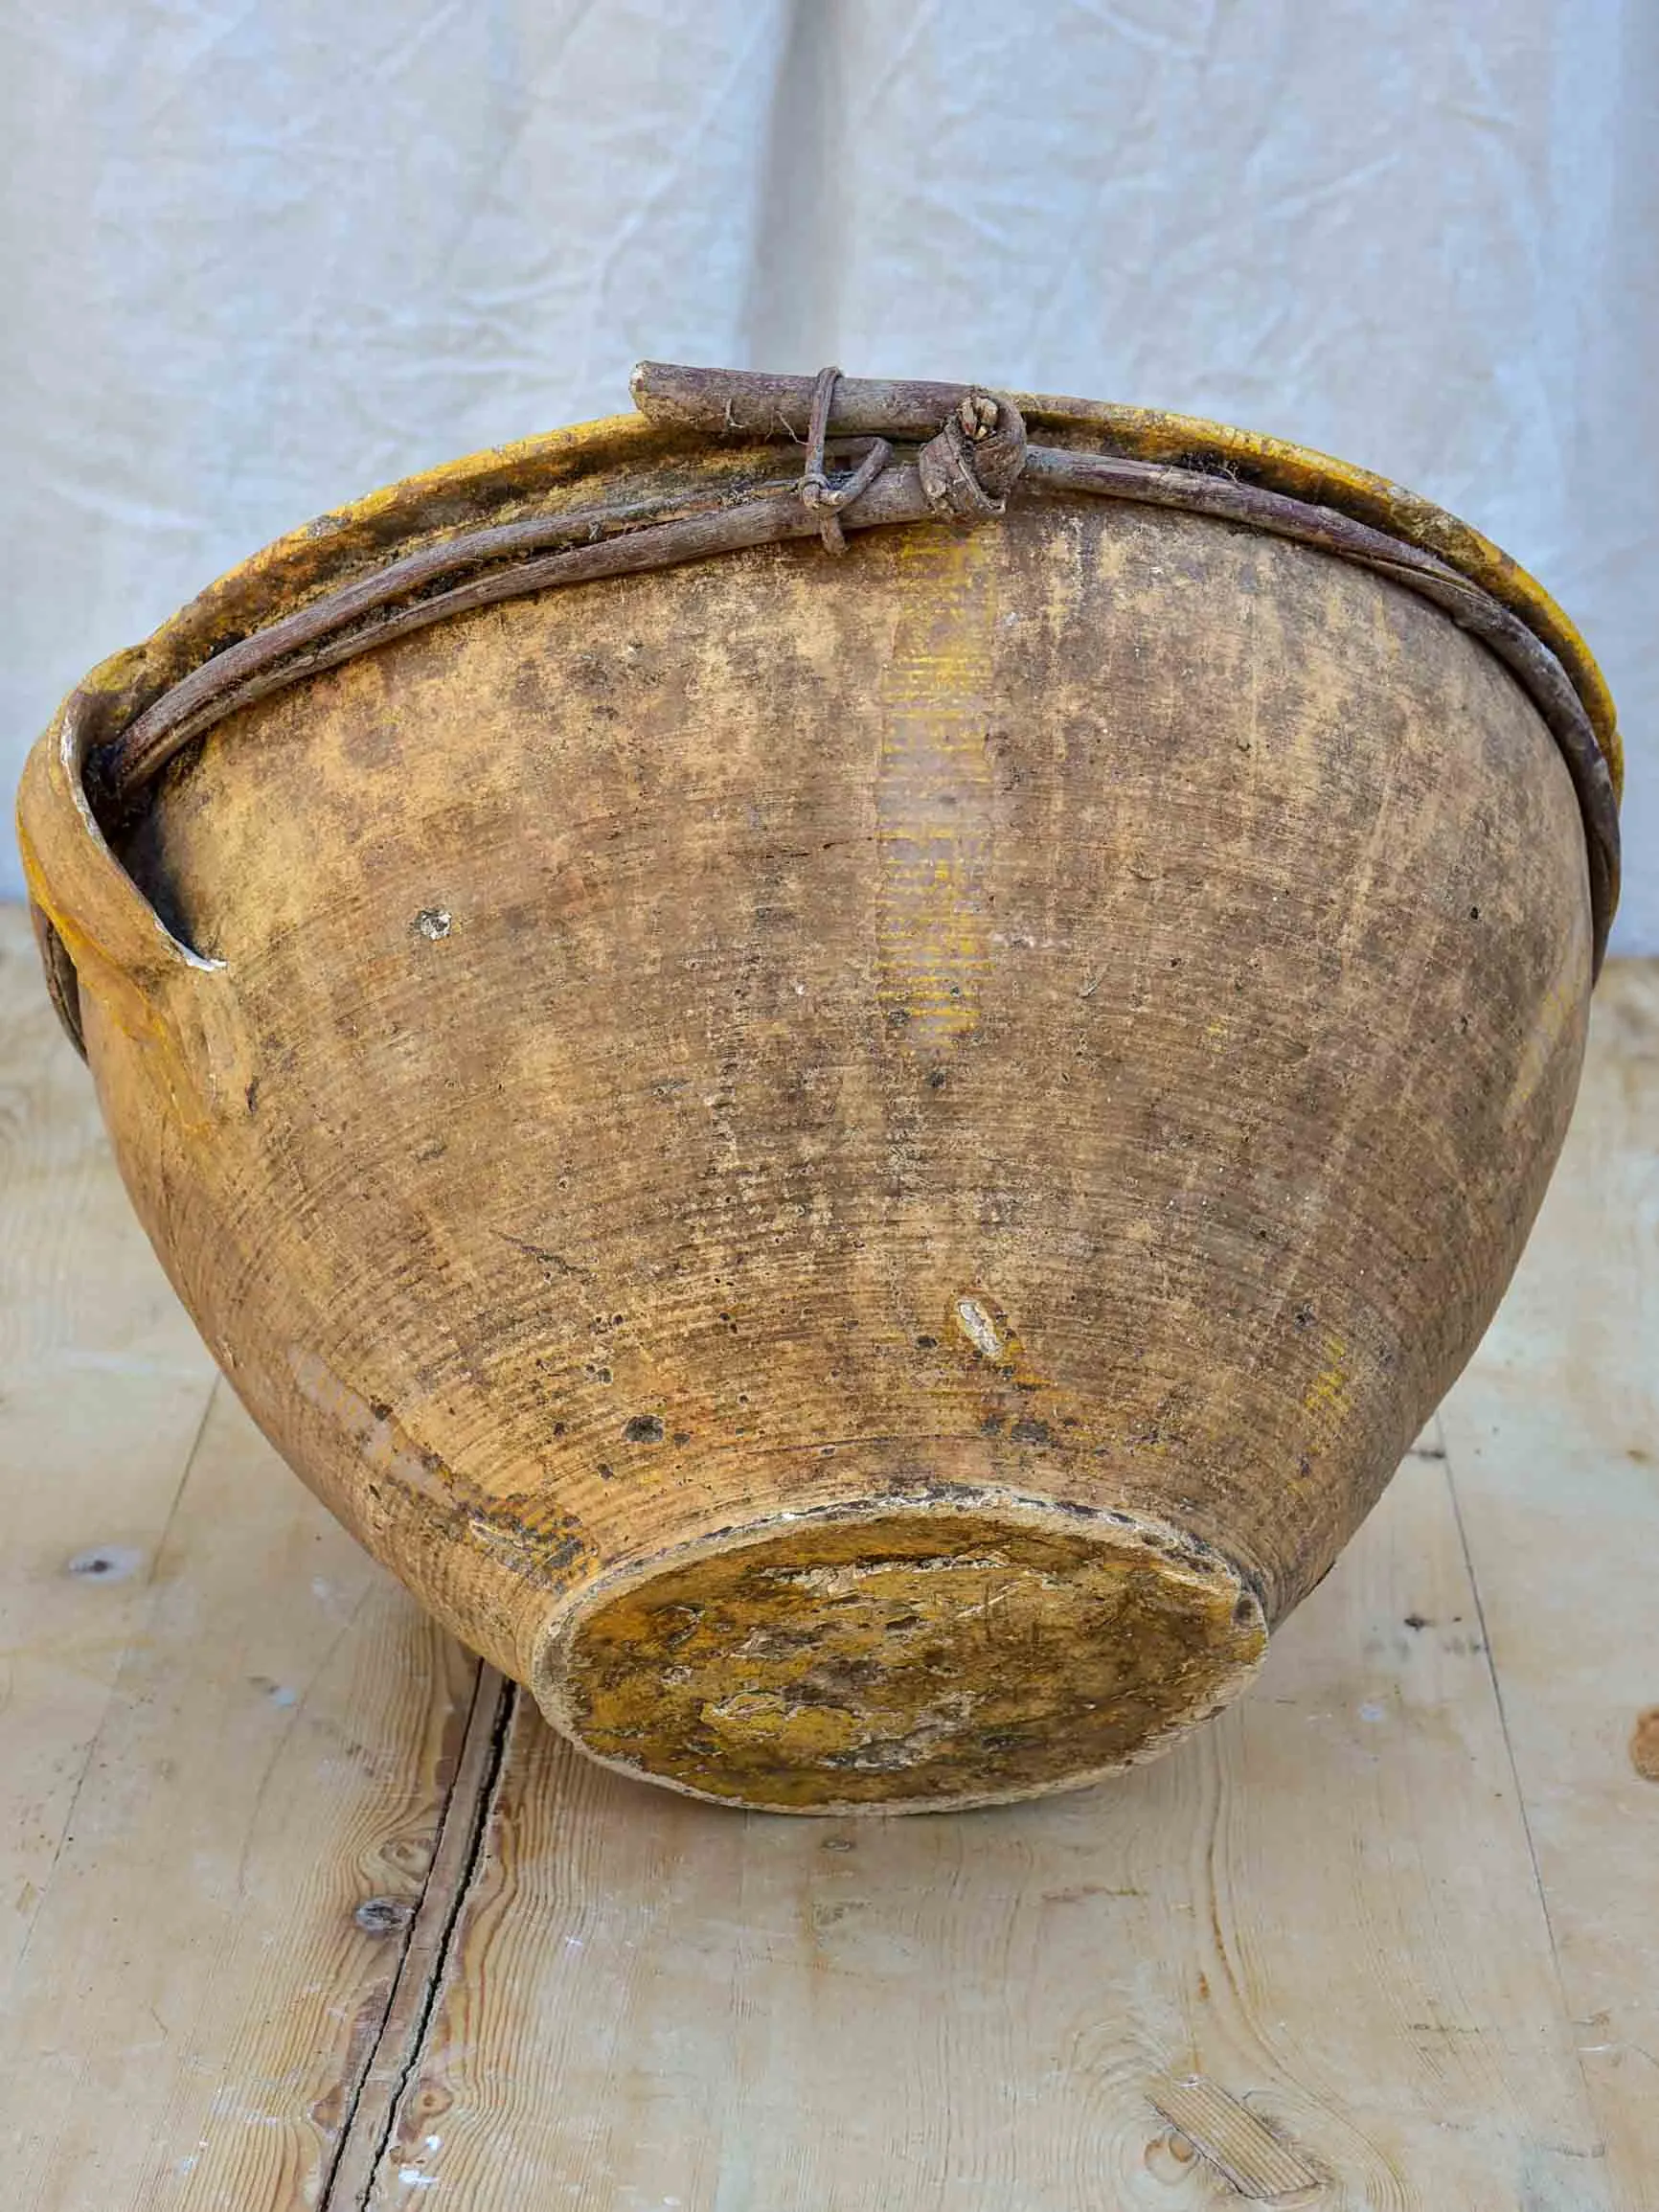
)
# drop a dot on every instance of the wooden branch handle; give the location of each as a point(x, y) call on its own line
point(743, 403)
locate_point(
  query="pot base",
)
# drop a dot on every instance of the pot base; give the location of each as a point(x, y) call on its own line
point(902, 1657)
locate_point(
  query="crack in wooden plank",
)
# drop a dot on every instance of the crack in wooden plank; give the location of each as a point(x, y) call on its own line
point(401, 2035)
point(1492, 1675)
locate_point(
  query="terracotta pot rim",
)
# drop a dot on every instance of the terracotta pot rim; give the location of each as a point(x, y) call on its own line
point(64, 808)
point(545, 471)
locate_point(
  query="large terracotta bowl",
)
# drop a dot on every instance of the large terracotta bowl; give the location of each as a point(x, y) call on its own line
point(857, 1170)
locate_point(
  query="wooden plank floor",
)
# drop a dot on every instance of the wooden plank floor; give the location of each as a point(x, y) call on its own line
point(302, 1908)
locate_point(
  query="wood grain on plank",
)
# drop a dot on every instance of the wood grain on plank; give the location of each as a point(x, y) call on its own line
point(1554, 1437)
point(226, 1737)
point(1242, 2148)
point(1323, 1906)
point(213, 1953)
point(102, 1387)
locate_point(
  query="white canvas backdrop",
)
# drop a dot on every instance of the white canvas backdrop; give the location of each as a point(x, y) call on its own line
point(263, 255)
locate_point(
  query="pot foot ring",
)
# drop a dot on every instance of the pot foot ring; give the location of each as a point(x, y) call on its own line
point(891, 1659)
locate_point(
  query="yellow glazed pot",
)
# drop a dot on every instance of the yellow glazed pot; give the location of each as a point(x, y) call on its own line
point(856, 1168)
